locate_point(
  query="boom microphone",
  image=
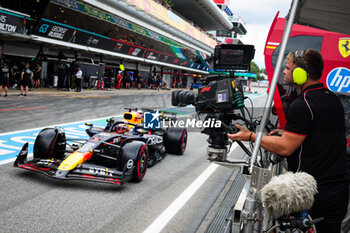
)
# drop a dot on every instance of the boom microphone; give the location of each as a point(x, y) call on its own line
point(289, 193)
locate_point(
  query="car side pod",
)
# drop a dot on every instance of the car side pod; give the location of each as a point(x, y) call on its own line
point(22, 155)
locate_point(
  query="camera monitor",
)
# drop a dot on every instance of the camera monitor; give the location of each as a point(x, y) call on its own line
point(233, 57)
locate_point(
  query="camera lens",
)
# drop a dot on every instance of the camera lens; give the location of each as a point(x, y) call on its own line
point(175, 98)
point(186, 97)
point(182, 98)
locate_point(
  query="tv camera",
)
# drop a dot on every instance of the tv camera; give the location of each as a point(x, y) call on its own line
point(221, 97)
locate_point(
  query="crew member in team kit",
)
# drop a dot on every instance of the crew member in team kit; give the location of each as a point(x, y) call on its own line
point(26, 79)
point(4, 78)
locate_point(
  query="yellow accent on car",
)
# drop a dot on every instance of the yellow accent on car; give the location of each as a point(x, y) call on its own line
point(133, 117)
point(74, 160)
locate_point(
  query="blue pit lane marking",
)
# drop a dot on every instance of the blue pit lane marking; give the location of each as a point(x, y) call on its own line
point(11, 143)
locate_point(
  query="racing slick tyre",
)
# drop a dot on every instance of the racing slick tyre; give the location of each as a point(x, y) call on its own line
point(175, 140)
point(50, 143)
point(136, 151)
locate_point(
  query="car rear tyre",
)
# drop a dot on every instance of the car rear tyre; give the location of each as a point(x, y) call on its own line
point(175, 140)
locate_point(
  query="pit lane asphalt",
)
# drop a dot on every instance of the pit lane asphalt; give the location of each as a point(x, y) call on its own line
point(47, 106)
point(34, 203)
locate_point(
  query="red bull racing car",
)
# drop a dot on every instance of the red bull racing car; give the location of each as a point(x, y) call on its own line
point(120, 152)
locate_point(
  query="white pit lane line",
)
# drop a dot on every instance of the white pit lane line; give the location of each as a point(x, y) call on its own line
point(164, 218)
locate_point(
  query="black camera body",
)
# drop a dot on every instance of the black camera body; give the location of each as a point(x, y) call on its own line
point(220, 96)
point(220, 93)
point(224, 94)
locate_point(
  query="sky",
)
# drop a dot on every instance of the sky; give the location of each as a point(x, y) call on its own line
point(258, 16)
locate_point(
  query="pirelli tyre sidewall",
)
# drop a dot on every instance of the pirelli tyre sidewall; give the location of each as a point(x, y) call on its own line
point(50, 143)
point(175, 140)
point(136, 151)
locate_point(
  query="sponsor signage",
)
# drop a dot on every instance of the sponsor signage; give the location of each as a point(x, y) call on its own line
point(56, 32)
point(14, 23)
point(344, 47)
point(101, 15)
point(63, 32)
point(86, 9)
point(338, 80)
point(113, 34)
point(178, 52)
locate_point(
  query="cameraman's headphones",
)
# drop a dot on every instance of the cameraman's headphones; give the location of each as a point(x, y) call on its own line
point(299, 74)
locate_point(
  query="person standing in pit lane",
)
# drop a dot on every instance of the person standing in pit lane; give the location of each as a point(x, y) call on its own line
point(128, 81)
point(26, 79)
point(4, 78)
point(37, 76)
point(15, 76)
point(119, 79)
point(61, 76)
point(139, 80)
point(78, 79)
point(158, 82)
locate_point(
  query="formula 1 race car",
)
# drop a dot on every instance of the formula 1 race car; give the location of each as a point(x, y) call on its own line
point(120, 152)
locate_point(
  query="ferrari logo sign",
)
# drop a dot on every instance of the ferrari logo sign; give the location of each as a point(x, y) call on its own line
point(344, 47)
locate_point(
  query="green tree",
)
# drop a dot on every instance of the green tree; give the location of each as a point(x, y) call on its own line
point(254, 68)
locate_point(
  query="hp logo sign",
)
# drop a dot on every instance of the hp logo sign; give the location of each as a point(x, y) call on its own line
point(338, 80)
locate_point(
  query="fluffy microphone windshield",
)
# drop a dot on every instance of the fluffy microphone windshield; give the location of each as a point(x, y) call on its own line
point(289, 193)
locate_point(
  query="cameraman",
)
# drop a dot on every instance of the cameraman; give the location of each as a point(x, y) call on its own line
point(313, 139)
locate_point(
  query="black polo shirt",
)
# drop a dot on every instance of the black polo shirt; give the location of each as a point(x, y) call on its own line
point(319, 115)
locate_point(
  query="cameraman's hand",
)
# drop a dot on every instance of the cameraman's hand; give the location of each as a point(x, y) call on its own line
point(276, 132)
point(242, 135)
